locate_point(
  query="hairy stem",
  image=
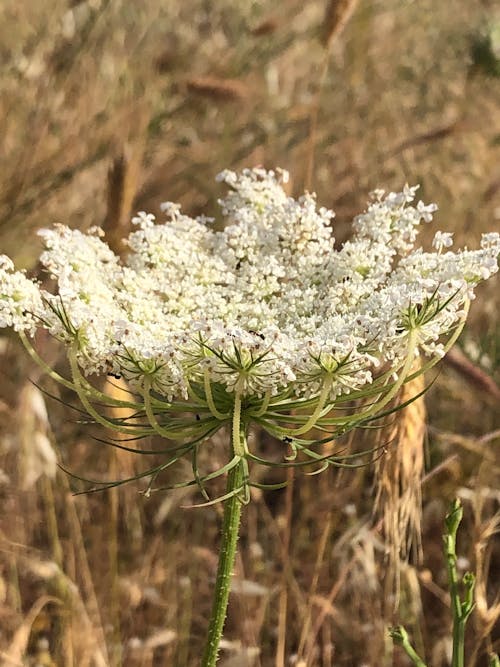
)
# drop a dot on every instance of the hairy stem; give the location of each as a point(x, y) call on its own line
point(230, 529)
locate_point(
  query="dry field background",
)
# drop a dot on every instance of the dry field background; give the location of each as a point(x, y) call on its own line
point(112, 106)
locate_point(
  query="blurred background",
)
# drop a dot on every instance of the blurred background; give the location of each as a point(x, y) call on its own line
point(112, 106)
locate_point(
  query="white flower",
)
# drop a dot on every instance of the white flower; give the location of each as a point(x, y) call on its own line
point(491, 241)
point(20, 299)
point(442, 240)
point(266, 307)
point(426, 211)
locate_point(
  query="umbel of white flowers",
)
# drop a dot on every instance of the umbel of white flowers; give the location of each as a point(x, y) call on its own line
point(252, 323)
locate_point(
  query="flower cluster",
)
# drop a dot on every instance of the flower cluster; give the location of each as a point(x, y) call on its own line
point(264, 317)
point(20, 298)
point(267, 304)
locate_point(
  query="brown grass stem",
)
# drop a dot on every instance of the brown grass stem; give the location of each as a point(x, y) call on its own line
point(314, 585)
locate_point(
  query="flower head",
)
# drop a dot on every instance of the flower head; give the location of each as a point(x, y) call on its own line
point(266, 314)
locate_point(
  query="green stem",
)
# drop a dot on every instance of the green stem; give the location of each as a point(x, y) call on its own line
point(460, 610)
point(230, 529)
point(210, 399)
point(322, 399)
point(400, 637)
point(457, 659)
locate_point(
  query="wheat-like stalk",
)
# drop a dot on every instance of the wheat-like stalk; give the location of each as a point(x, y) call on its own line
point(398, 477)
point(123, 178)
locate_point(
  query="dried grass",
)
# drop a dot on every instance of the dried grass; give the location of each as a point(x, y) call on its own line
point(337, 15)
point(162, 96)
point(398, 483)
point(265, 27)
point(123, 184)
point(219, 90)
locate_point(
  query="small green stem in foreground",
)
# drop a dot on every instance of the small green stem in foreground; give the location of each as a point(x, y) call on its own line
point(400, 637)
point(461, 609)
point(461, 606)
point(230, 529)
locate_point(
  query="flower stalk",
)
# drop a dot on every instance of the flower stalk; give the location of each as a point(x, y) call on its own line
point(229, 539)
